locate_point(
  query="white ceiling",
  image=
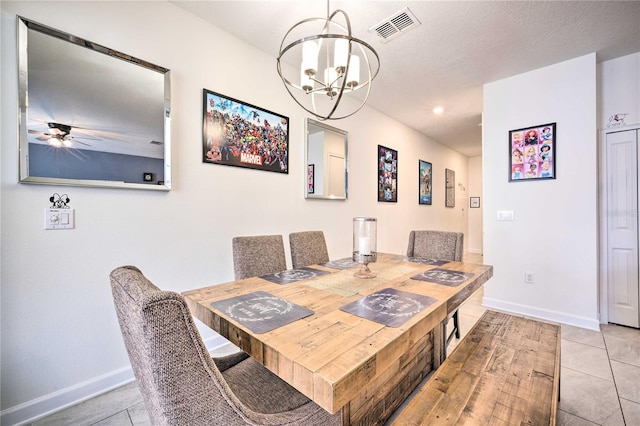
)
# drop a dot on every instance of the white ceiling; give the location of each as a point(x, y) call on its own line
point(459, 46)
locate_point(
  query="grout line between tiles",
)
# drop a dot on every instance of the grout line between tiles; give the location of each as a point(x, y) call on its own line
point(615, 385)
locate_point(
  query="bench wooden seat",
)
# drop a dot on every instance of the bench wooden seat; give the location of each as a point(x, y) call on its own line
point(506, 371)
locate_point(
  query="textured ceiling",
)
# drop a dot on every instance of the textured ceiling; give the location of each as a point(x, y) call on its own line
point(458, 47)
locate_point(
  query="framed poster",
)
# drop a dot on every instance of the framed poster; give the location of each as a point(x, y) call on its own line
point(424, 182)
point(450, 188)
point(387, 174)
point(532, 153)
point(310, 178)
point(235, 133)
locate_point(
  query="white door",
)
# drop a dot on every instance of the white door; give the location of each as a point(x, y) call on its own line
point(336, 174)
point(622, 227)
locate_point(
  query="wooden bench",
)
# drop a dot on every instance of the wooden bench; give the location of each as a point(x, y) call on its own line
point(506, 371)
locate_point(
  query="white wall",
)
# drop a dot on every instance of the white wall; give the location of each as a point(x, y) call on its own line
point(475, 215)
point(619, 91)
point(554, 234)
point(60, 339)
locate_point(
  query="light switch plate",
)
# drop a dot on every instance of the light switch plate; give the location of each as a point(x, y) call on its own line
point(59, 218)
point(505, 215)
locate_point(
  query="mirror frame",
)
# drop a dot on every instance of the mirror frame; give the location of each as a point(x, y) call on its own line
point(342, 133)
point(23, 27)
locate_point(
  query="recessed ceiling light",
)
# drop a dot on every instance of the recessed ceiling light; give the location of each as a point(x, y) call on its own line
point(438, 110)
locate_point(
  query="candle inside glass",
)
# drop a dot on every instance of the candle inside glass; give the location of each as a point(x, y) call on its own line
point(365, 245)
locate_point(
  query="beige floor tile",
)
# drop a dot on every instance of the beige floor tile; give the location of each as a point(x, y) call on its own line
point(615, 419)
point(631, 412)
point(627, 378)
point(627, 333)
point(623, 349)
point(96, 409)
point(139, 415)
point(566, 419)
point(586, 359)
point(587, 397)
point(119, 419)
point(227, 349)
point(582, 335)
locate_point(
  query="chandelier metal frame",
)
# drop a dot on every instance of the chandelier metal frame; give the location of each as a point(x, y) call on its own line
point(336, 82)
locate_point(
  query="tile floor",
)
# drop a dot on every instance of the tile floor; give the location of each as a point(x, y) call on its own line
point(600, 379)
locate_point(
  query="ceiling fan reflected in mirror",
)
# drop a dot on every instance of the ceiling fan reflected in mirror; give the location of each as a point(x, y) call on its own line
point(59, 135)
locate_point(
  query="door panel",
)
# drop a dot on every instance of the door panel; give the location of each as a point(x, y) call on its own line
point(622, 224)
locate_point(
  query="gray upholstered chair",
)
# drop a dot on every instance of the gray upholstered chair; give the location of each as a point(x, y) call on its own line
point(438, 245)
point(258, 255)
point(181, 384)
point(308, 248)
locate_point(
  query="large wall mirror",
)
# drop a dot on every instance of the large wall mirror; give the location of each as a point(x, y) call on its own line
point(326, 156)
point(90, 115)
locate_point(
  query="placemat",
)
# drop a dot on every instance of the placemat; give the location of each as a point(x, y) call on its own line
point(423, 260)
point(389, 306)
point(260, 311)
point(293, 275)
point(443, 277)
point(345, 263)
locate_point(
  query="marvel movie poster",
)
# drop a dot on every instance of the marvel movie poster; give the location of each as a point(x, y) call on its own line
point(239, 134)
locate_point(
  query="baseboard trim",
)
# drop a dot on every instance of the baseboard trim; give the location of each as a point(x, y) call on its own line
point(64, 398)
point(474, 251)
point(543, 314)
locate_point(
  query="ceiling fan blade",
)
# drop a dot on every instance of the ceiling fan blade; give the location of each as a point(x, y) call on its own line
point(43, 138)
point(86, 137)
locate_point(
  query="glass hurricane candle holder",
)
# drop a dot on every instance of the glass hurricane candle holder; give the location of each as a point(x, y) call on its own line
point(364, 245)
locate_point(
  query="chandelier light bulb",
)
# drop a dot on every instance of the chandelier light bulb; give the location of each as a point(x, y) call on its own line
point(310, 57)
point(340, 55)
point(353, 74)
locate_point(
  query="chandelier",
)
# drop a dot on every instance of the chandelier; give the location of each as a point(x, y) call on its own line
point(329, 62)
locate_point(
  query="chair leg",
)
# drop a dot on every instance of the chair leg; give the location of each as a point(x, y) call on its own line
point(456, 326)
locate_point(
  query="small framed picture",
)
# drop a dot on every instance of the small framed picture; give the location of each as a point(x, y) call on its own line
point(532, 153)
point(450, 188)
point(424, 182)
point(310, 179)
point(474, 202)
point(387, 174)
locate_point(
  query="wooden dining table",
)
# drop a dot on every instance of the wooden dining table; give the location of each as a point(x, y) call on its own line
point(356, 345)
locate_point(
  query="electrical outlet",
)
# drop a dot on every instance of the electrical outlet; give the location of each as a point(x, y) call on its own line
point(529, 277)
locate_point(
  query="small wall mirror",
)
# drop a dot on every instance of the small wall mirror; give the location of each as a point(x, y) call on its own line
point(90, 115)
point(326, 160)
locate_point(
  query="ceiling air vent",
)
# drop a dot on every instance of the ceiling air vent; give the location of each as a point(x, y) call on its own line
point(397, 24)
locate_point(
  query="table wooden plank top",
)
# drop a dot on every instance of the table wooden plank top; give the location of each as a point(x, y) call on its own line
point(331, 355)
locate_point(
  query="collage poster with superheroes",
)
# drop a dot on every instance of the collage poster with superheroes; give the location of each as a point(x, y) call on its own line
point(533, 152)
point(239, 134)
point(387, 174)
